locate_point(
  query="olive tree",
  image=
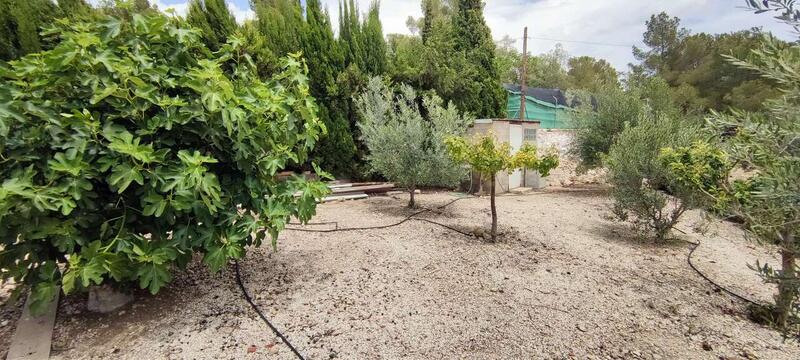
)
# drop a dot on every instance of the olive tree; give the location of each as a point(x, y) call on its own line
point(751, 168)
point(643, 189)
point(404, 145)
point(127, 148)
point(764, 151)
point(485, 155)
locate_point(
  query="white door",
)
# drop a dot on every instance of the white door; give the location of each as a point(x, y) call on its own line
point(516, 136)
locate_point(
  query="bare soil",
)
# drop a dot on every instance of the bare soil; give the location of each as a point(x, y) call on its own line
point(565, 282)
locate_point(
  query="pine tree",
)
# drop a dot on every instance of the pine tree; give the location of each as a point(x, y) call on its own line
point(214, 19)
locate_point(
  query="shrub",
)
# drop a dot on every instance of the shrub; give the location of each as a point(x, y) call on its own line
point(643, 189)
point(404, 146)
point(126, 149)
point(604, 115)
point(487, 157)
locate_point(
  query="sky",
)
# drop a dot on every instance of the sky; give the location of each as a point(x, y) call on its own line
point(617, 23)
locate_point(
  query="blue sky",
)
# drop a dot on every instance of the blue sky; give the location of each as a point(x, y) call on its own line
point(619, 22)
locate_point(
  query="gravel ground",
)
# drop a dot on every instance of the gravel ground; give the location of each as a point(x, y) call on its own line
point(9, 313)
point(565, 282)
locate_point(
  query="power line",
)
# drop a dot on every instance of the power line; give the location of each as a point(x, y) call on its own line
point(578, 41)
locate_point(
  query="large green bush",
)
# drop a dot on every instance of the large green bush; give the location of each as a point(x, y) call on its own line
point(127, 148)
point(643, 188)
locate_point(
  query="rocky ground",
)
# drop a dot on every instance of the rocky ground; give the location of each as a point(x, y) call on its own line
point(566, 282)
point(9, 313)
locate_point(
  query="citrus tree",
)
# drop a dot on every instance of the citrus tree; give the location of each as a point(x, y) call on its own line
point(485, 155)
point(129, 147)
point(404, 146)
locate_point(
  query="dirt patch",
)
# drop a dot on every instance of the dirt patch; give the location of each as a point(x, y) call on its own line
point(568, 284)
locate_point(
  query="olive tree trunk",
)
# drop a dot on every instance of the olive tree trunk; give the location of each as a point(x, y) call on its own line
point(787, 287)
point(494, 210)
point(411, 203)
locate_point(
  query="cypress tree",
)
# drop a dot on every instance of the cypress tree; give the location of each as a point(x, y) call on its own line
point(281, 22)
point(350, 36)
point(374, 43)
point(74, 8)
point(214, 19)
point(325, 59)
point(21, 21)
point(482, 93)
point(7, 31)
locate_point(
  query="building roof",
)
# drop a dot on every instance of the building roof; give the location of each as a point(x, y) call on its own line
point(552, 96)
point(556, 97)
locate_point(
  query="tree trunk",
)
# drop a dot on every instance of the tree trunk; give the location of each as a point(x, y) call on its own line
point(412, 203)
point(787, 288)
point(494, 211)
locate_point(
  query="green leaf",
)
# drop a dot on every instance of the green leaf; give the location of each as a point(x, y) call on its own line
point(69, 280)
point(113, 28)
point(163, 255)
point(123, 175)
point(119, 268)
point(68, 162)
point(153, 276)
point(92, 272)
point(110, 89)
point(154, 204)
point(215, 258)
point(41, 295)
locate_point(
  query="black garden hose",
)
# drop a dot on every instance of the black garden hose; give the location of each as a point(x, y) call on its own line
point(261, 314)
point(412, 217)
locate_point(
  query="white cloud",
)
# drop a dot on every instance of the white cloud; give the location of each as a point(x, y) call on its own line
point(241, 14)
point(181, 8)
point(393, 13)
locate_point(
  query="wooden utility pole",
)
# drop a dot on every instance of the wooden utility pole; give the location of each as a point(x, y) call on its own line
point(523, 87)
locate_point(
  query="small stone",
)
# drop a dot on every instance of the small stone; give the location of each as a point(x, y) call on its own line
point(4, 323)
point(707, 346)
point(581, 327)
point(105, 299)
point(251, 349)
point(749, 355)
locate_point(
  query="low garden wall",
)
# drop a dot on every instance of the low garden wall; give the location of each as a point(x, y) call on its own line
point(565, 174)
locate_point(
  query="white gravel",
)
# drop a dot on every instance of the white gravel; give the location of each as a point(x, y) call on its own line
point(566, 283)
